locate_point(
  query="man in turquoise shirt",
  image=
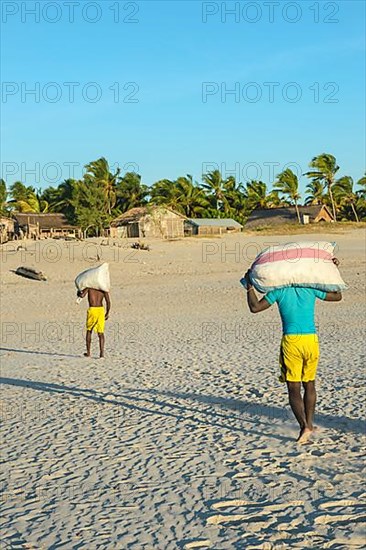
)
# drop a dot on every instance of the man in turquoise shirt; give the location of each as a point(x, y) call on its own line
point(299, 352)
point(296, 306)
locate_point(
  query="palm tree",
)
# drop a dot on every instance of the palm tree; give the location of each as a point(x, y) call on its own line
point(27, 199)
point(256, 194)
point(3, 196)
point(192, 201)
point(315, 193)
point(326, 167)
point(288, 185)
point(130, 192)
point(60, 199)
point(164, 192)
point(98, 171)
point(344, 195)
point(213, 185)
point(361, 197)
point(181, 195)
point(275, 201)
point(90, 205)
point(362, 192)
point(236, 199)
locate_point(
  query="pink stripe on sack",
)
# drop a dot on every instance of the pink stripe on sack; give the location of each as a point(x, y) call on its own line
point(293, 254)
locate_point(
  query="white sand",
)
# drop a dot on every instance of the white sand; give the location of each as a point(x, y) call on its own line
point(182, 436)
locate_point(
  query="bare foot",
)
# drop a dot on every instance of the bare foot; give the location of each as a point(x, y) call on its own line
point(304, 436)
point(101, 357)
point(86, 354)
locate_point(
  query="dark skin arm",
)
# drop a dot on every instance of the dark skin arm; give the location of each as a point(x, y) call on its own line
point(82, 293)
point(334, 296)
point(108, 303)
point(255, 305)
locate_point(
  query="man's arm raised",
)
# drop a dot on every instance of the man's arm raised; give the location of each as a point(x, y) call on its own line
point(334, 296)
point(82, 293)
point(254, 304)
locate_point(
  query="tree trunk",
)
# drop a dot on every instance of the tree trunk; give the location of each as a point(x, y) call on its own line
point(332, 201)
point(297, 212)
point(354, 211)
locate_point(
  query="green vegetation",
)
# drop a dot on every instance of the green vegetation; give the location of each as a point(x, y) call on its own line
point(101, 195)
point(288, 185)
point(324, 170)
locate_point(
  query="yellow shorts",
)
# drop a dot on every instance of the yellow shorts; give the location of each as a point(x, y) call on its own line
point(95, 319)
point(299, 356)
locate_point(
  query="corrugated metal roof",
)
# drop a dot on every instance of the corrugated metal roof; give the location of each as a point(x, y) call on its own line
point(215, 222)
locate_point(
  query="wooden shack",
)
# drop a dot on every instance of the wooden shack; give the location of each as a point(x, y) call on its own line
point(211, 226)
point(148, 222)
point(42, 226)
point(7, 230)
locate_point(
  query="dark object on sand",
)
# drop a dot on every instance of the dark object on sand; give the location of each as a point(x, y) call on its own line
point(31, 273)
point(140, 246)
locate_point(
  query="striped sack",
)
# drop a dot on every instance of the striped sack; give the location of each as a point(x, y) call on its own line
point(303, 264)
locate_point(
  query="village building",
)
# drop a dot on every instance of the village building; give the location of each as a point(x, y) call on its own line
point(41, 226)
point(7, 230)
point(211, 226)
point(264, 217)
point(148, 222)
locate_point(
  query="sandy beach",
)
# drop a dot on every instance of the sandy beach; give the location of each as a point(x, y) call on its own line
point(182, 436)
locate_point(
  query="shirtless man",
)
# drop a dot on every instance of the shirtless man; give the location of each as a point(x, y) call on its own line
point(299, 352)
point(96, 316)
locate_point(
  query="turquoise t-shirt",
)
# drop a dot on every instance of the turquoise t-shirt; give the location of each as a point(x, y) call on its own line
point(297, 308)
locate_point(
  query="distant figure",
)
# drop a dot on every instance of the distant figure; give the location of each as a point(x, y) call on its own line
point(96, 316)
point(299, 352)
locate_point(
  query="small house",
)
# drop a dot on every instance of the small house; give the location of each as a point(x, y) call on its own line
point(264, 217)
point(41, 226)
point(148, 222)
point(211, 226)
point(6, 229)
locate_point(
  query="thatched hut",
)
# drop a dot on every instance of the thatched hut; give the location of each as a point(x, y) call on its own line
point(148, 222)
point(38, 226)
point(262, 217)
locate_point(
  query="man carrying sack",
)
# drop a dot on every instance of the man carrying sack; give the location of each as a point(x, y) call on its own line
point(299, 353)
point(95, 282)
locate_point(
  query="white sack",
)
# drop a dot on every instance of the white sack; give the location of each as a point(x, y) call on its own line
point(303, 264)
point(94, 277)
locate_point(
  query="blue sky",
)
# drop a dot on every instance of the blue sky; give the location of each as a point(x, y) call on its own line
point(166, 56)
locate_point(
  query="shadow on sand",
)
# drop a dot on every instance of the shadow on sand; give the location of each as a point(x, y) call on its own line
point(151, 401)
point(40, 352)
